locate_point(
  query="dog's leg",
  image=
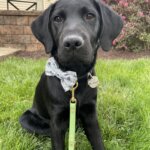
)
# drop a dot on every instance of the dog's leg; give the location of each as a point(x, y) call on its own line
point(91, 127)
point(58, 125)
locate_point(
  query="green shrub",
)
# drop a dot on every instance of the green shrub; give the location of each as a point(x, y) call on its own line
point(135, 35)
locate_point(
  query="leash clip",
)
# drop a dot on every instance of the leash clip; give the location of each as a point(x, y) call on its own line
point(73, 99)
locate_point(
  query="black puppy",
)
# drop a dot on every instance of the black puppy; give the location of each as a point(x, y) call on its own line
point(72, 31)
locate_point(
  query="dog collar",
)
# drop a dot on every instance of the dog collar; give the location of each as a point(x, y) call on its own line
point(68, 78)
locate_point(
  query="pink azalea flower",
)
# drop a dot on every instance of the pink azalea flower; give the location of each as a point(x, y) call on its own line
point(140, 14)
point(123, 17)
point(126, 4)
point(147, 1)
point(114, 42)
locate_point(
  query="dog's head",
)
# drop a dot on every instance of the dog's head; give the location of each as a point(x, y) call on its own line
point(73, 30)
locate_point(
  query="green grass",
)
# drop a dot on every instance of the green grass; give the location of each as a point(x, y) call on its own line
point(123, 104)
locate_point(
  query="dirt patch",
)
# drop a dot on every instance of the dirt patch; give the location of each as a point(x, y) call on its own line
point(33, 54)
point(112, 54)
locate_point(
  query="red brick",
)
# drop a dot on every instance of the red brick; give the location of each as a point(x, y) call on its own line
point(21, 39)
point(1, 20)
point(22, 20)
point(5, 39)
point(1, 29)
point(16, 30)
point(10, 20)
point(11, 29)
point(27, 30)
point(34, 40)
point(31, 19)
point(40, 47)
point(5, 29)
point(31, 47)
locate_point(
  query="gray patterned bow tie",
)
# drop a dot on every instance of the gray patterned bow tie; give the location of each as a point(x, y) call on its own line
point(68, 78)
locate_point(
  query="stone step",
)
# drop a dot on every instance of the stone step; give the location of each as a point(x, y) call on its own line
point(4, 51)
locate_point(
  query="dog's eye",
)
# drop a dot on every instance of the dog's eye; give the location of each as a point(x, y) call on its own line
point(89, 16)
point(58, 19)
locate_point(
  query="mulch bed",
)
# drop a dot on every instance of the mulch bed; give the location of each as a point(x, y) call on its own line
point(112, 54)
point(122, 54)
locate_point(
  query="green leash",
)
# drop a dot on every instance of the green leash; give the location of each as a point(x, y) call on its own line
point(72, 123)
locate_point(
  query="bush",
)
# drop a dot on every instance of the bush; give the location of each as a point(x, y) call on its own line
point(135, 35)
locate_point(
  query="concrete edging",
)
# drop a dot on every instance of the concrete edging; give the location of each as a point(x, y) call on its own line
point(19, 13)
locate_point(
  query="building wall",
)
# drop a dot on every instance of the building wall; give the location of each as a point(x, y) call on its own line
point(20, 5)
point(47, 3)
point(3, 4)
point(42, 4)
point(15, 30)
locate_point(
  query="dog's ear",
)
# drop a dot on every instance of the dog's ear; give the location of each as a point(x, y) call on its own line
point(112, 25)
point(40, 29)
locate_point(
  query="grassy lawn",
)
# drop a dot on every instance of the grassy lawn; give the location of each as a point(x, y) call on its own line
point(123, 104)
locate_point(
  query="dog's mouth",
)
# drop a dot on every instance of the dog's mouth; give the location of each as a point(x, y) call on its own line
point(76, 57)
point(81, 65)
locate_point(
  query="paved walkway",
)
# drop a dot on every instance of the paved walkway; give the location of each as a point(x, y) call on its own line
point(7, 51)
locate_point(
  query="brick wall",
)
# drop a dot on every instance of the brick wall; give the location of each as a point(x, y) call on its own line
point(15, 30)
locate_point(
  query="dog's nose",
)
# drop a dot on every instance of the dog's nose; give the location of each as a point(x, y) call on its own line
point(73, 42)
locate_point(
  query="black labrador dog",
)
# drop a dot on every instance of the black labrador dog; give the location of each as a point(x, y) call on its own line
point(71, 31)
